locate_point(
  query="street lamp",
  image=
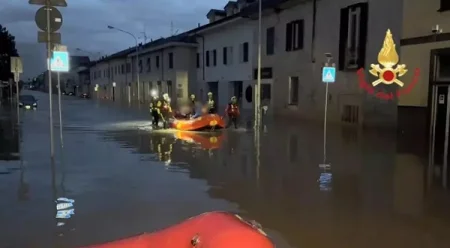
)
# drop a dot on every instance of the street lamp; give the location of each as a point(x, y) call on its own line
point(114, 91)
point(137, 58)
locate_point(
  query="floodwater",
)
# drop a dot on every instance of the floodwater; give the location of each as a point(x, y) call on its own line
point(122, 179)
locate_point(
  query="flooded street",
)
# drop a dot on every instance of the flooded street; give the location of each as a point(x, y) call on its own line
point(125, 179)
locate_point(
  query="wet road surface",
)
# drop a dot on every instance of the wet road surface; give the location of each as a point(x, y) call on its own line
point(126, 180)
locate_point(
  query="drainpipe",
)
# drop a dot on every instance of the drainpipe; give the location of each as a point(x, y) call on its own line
point(313, 35)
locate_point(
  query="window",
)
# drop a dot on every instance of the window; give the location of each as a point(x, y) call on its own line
point(353, 36)
point(170, 60)
point(122, 69)
point(207, 58)
point(198, 60)
point(140, 66)
point(445, 5)
point(214, 57)
point(115, 70)
point(157, 62)
point(149, 64)
point(128, 68)
point(293, 90)
point(294, 35)
point(270, 41)
point(245, 52)
point(225, 54)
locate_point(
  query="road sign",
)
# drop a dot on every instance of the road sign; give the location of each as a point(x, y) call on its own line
point(56, 19)
point(60, 62)
point(329, 74)
point(55, 38)
point(60, 48)
point(16, 65)
point(56, 3)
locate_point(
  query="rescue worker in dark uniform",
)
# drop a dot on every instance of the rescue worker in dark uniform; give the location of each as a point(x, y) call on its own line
point(232, 111)
point(211, 104)
point(155, 110)
point(166, 110)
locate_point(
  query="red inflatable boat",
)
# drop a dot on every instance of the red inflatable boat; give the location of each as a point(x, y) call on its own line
point(208, 230)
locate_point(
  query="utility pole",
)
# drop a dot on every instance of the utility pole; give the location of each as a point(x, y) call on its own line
point(258, 82)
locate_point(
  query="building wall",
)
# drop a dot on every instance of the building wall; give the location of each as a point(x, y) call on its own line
point(229, 35)
point(182, 76)
point(418, 21)
point(307, 62)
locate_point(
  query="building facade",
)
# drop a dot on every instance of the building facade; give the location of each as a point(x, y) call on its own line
point(424, 112)
point(166, 66)
point(224, 62)
point(297, 35)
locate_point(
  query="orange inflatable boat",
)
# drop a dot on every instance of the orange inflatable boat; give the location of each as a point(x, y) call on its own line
point(208, 230)
point(206, 141)
point(205, 122)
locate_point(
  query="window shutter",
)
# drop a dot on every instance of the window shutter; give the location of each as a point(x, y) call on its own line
point(343, 37)
point(363, 27)
point(300, 34)
point(288, 36)
point(225, 53)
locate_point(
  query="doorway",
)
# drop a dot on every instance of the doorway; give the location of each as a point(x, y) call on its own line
point(238, 88)
point(440, 115)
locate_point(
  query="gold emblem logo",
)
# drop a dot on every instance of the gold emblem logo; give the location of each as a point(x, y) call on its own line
point(388, 58)
point(213, 123)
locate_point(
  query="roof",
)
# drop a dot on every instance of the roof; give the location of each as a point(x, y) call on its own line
point(184, 38)
point(218, 12)
point(231, 3)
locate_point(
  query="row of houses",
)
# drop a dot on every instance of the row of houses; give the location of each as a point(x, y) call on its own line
point(221, 57)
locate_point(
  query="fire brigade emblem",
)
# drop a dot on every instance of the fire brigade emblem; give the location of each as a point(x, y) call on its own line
point(389, 71)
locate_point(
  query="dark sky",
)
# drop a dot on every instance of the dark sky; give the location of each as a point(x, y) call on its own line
point(85, 24)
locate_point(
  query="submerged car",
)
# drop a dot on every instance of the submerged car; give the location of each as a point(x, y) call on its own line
point(85, 95)
point(27, 102)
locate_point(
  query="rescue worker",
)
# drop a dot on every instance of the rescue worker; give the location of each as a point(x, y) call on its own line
point(193, 105)
point(166, 109)
point(155, 110)
point(210, 104)
point(232, 112)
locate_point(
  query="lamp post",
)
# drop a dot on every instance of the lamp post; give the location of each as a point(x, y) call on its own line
point(258, 82)
point(114, 91)
point(137, 59)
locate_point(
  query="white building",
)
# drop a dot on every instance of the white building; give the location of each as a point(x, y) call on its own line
point(167, 66)
point(224, 62)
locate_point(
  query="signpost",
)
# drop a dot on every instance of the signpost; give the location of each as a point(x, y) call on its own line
point(50, 24)
point(16, 69)
point(328, 76)
point(60, 63)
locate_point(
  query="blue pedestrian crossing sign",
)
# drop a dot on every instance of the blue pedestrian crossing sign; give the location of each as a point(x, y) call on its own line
point(329, 74)
point(60, 62)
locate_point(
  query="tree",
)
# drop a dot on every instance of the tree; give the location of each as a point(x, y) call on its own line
point(7, 49)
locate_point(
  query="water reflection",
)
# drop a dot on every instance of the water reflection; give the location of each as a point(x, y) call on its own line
point(374, 195)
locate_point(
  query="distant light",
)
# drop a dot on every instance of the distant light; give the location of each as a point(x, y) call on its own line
point(154, 93)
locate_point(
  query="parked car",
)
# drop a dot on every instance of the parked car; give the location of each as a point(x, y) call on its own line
point(85, 95)
point(27, 102)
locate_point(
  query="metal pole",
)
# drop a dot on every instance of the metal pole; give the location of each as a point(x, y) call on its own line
point(258, 83)
point(137, 71)
point(49, 72)
point(17, 100)
point(325, 126)
point(60, 112)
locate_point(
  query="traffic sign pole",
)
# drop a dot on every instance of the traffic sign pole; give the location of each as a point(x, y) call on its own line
point(49, 73)
point(328, 76)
